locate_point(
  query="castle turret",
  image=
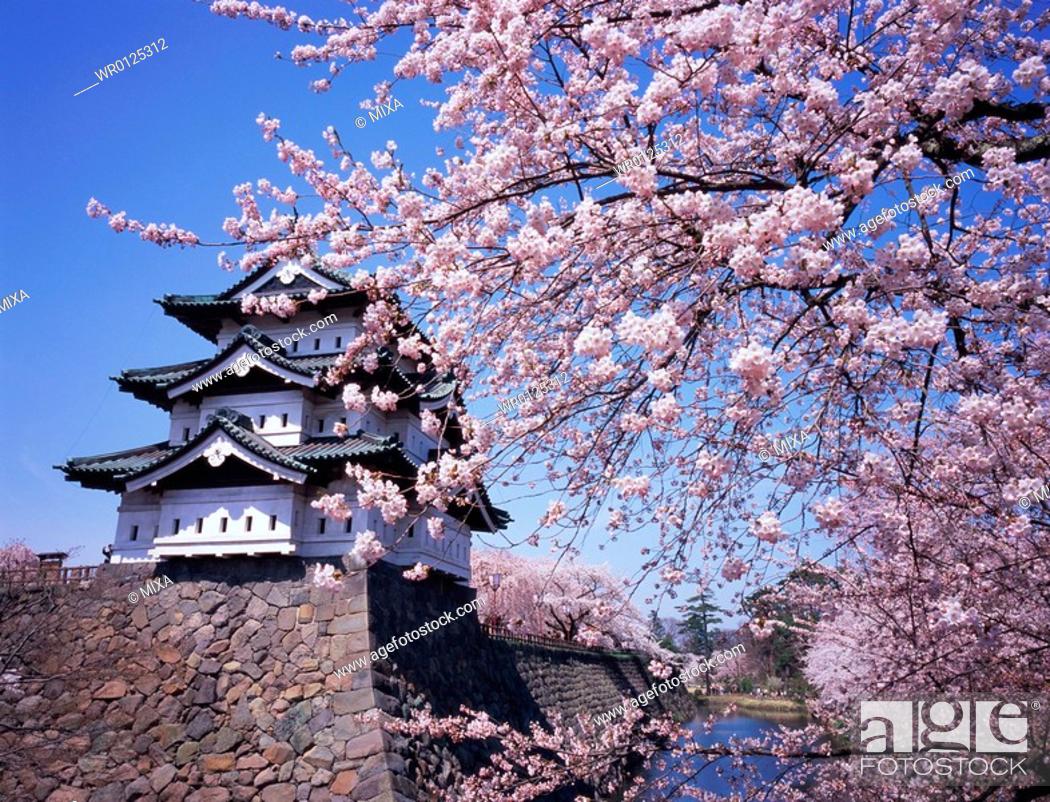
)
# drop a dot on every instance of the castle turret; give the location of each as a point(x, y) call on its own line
point(252, 436)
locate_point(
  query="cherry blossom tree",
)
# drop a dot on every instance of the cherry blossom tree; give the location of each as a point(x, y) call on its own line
point(568, 601)
point(696, 310)
point(16, 554)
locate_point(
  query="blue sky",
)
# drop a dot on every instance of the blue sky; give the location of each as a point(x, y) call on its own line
point(165, 139)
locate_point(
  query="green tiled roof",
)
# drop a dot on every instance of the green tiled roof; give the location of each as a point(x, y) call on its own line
point(118, 468)
point(315, 457)
point(152, 384)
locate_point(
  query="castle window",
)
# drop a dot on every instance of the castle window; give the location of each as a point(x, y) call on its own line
point(185, 433)
point(320, 526)
point(273, 522)
point(343, 421)
point(135, 532)
point(156, 530)
point(262, 421)
point(222, 524)
point(295, 347)
point(175, 526)
point(412, 531)
point(347, 526)
point(317, 344)
point(338, 342)
point(284, 419)
point(320, 425)
point(200, 525)
point(247, 523)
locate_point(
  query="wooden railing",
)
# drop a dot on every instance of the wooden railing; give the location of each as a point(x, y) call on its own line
point(39, 576)
point(539, 640)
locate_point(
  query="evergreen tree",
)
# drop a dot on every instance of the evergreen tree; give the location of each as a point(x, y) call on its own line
point(701, 617)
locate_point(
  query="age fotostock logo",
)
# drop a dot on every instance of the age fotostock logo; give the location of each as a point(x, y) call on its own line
point(987, 741)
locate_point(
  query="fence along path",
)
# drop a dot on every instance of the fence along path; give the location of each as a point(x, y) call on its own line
point(46, 575)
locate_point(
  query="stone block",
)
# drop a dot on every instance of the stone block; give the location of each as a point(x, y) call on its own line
point(344, 702)
point(279, 753)
point(161, 776)
point(186, 752)
point(367, 744)
point(282, 792)
point(305, 613)
point(258, 610)
point(252, 762)
point(169, 654)
point(345, 782)
point(345, 624)
point(214, 794)
point(286, 618)
point(114, 689)
point(320, 756)
point(218, 762)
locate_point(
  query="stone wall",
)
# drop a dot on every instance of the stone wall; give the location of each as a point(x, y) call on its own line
point(220, 685)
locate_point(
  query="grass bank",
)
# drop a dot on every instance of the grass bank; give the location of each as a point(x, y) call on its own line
point(765, 705)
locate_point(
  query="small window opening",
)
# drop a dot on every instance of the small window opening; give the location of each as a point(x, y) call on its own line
point(273, 522)
point(135, 532)
point(222, 524)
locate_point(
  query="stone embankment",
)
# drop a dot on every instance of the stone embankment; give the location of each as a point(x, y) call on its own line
point(219, 687)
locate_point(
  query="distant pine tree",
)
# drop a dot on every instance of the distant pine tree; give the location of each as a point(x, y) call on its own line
point(701, 617)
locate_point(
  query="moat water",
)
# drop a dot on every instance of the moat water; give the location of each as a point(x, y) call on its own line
point(740, 725)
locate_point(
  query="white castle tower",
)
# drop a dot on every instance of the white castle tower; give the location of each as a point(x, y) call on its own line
point(251, 441)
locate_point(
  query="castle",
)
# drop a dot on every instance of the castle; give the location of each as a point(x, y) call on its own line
point(252, 435)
